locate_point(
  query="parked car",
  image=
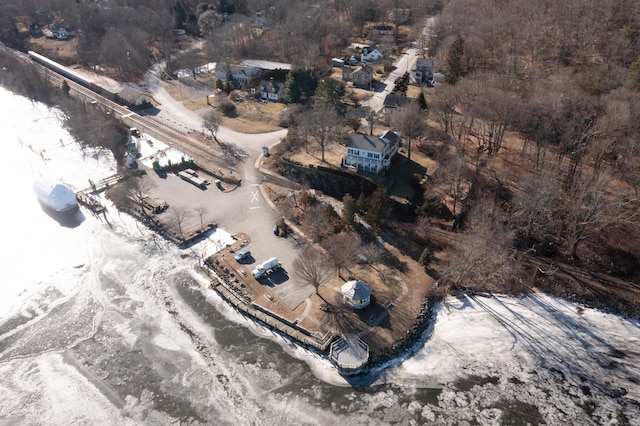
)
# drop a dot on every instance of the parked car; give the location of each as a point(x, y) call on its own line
point(242, 255)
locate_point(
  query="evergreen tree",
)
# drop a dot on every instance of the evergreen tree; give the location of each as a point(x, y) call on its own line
point(377, 208)
point(361, 203)
point(301, 85)
point(454, 61)
point(425, 257)
point(331, 92)
point(180, 15)
point(422, 102)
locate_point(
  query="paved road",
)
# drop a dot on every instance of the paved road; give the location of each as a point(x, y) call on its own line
point(404, 64)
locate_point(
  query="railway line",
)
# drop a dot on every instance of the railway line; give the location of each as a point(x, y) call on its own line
point(192, 144)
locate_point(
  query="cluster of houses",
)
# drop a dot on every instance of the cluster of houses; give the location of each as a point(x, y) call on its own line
point(249, 72)
point(362, 152)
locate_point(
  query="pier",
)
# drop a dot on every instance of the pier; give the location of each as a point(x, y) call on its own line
point(91, 202)
point(87, 198)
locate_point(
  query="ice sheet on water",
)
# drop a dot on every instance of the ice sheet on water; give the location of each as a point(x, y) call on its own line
point(536, 350)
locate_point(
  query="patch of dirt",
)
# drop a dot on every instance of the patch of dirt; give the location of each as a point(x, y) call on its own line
point(255, 117)
point(64, 52)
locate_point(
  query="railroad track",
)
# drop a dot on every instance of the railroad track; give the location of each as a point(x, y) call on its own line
point(194, 145)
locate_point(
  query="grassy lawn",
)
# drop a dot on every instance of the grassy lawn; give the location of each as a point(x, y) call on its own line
point(255, 117)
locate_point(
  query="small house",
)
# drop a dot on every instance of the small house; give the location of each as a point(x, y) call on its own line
point(134, 98)
point(240, 74)
point(356, 294)
point(423, 71)
point(271, 90)
point(371, 54)
point(336, 62)
point(222, 72)
point(394, 103)
point(361, 76)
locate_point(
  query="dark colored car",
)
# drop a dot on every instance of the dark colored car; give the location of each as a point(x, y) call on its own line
point(242, 255)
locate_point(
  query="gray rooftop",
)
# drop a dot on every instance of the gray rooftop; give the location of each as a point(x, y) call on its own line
point(362, 141)
point(265, 65)
point(396, 101)
point(356, 290)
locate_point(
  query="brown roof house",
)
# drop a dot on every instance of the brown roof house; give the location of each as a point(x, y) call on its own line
point(361, 76)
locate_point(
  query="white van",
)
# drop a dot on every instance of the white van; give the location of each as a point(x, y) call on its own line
point(265, 267)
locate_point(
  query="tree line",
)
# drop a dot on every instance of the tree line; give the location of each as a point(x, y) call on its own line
point(129, 36)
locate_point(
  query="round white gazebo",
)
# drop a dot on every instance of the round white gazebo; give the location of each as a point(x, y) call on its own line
point(356, 294)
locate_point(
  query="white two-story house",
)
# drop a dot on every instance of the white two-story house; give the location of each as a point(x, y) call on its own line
point(371, 153)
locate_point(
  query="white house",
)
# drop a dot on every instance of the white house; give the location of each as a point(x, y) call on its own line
point(235, 73)
point(371, 54)
point(241, 74)
point(271, 90)
point(371, 153)
point(356, 294)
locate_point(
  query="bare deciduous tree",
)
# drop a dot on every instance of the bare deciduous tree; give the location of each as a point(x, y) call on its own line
point(211, 122)
point(138, 188)
point(201, 211)
point(343, 250)
point(372, 253)
point(178, 216)
point(313, 267)
point(591, 205)
point(317, 222)
point(533, 215)
point(323, 124)
point(483, 258)
point(411, 122)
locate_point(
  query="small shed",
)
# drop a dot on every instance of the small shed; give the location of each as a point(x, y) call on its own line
point(134, 98)
point(356, 294)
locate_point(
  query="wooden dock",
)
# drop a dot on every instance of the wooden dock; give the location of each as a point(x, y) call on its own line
point(103, 184)
point(91, 202)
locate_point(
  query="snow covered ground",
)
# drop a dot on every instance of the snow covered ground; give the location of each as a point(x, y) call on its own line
point(152, 150)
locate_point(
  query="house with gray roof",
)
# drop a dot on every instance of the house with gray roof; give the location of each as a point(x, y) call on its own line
point(356, 294)
point(135, 98)
point(371, 153)
point(361, 76)
point(271, 90)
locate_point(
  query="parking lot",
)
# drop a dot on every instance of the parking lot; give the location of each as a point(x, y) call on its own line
point(236, 210)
